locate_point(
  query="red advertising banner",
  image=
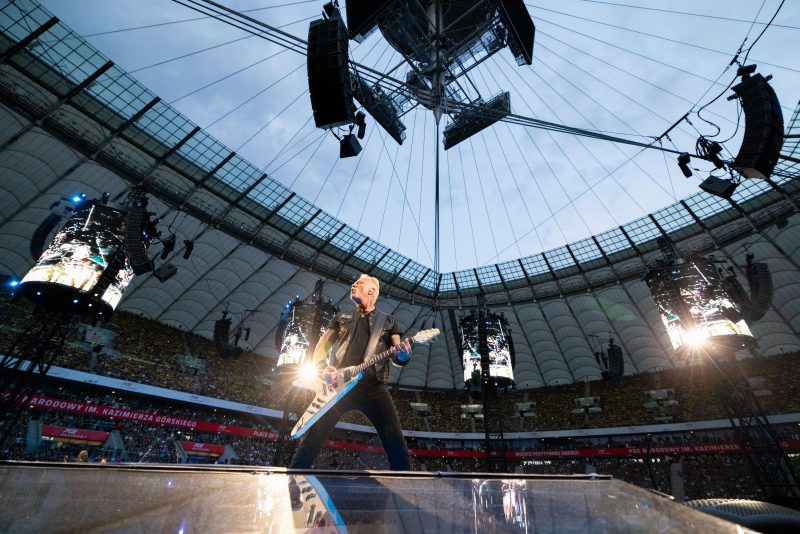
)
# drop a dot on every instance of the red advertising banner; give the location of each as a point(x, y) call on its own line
point(99, 410)
point(202, 448)
point(53, 431)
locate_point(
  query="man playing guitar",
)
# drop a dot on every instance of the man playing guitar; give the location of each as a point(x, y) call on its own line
point(352, 337)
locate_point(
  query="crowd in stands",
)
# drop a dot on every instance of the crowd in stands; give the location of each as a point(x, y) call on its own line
point(704, 475)
point(150, 353)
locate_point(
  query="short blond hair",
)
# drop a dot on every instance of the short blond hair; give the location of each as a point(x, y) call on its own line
point(375, 283)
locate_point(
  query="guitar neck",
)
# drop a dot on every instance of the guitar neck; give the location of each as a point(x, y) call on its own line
point(374, 359)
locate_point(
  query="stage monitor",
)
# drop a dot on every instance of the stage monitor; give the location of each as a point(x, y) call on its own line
point(500, 365)
point(85, 261)
point(694, 306)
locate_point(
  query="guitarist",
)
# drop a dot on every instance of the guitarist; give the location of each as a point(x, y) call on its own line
point(354, 336)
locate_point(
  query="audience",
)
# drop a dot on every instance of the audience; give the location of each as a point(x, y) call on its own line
point(152, 353)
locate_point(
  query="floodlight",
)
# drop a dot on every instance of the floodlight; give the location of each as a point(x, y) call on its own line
point(683, 163)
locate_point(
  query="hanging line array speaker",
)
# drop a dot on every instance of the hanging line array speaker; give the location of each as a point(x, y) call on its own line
point(763, 128)
point(328, 73)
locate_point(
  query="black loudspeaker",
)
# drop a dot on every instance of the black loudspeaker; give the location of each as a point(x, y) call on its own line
point(761, 291)
point(718, 187)
point(222, 329)
point(616, 364)
point(763, 128)
point(134, 246)
point(349, 146)
point(165, 272)
point(328, 74)
point(362, 17)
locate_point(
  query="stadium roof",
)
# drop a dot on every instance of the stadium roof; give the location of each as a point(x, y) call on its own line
point(73, 121)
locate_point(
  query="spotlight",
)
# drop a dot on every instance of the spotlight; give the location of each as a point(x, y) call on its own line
point(695, 339)
point(14, 283)
point(361, 123)
point(169, 244)
point(189, 248)
point(713, 153)
point(307, 373)
point(106, 197)
point(76, 199)
point(349, 146)
point(683, 163)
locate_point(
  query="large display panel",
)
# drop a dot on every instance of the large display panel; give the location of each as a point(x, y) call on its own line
point(694, 305)
point(304, 323)
point(85, 258)
point(500, 365)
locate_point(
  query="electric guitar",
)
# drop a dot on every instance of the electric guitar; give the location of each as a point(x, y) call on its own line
point(326, 395)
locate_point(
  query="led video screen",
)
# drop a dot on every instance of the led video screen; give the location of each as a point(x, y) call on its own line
point(80, 254)
point(499, 352)
point(693, 304)
point(305, 324)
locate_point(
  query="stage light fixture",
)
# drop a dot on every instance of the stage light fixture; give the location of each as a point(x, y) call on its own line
point(476, 118)
point(361, 123)
point(307, 372)
point(189, 244)
point(713, 153)
point(169, 245)
point(106, 197)
point(683, 163)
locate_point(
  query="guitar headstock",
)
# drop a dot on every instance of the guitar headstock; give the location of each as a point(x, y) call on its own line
point(425, 336)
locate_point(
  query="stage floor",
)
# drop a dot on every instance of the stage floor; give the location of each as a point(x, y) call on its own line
point(58, 497)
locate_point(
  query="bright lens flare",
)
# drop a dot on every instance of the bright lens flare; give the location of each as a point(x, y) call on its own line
point(307, 372)
point(695, 338)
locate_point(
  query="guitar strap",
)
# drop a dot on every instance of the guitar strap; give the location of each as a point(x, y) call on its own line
point(377, 326)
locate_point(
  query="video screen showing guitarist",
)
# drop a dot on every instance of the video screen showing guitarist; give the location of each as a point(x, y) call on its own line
point(352, 337)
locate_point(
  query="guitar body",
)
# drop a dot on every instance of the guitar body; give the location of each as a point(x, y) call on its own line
point(325, 397)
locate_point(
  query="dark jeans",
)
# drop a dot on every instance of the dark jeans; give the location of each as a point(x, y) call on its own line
point(371, 398)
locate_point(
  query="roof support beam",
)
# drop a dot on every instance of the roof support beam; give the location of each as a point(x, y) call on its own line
point(28, 39)
point(41, 117)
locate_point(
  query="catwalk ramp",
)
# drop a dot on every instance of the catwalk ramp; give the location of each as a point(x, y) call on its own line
point(55, 497)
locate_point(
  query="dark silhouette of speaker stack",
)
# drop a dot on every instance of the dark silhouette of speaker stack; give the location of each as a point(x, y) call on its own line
point(763, 120)
point(755, 304)
point(611, 362)
point(328, 73)
point(761, 142)
point(135, 247)
point(222, 334)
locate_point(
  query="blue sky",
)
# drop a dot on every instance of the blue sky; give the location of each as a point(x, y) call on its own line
point(510, 191)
